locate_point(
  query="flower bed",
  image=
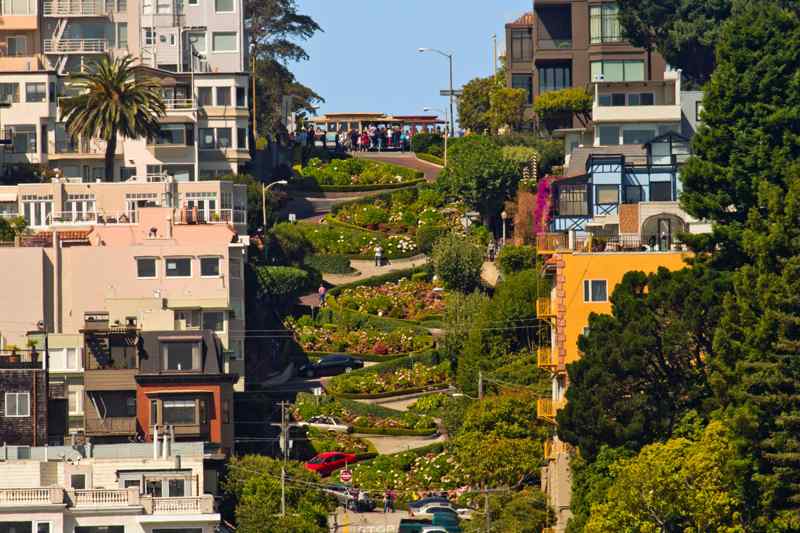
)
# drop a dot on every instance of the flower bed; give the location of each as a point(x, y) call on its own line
point(325, 441)
point(356, 172)
point(418, 376)
point(364, 418)
point(406, 299)
point(341, 338)
point(430, 405)
point(332, 239)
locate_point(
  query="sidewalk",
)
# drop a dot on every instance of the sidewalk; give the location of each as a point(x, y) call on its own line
point(367, 269)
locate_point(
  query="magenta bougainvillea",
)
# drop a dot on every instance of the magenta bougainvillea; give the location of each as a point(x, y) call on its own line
point(541, 214)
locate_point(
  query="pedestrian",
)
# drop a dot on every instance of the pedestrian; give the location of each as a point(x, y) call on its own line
point(364, 141)
point(386, 501)
point(363, 502)
point(378, 256)
point(392, 496)
point(355, 139)
point(322, 291)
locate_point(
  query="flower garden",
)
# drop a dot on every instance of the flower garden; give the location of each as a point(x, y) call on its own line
point(329, 239)
point(362, 340)
point(407, 299)
point(325, 441)
point(356, 172)
point(416, 375)
point(365, 418)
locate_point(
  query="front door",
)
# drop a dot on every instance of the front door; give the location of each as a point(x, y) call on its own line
point(664, 234)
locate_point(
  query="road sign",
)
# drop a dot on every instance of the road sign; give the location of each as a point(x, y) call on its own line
point(456, 92)
point(345, 476)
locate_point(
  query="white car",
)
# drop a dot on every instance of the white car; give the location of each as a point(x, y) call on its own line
point(326, 423)
point(431, 508)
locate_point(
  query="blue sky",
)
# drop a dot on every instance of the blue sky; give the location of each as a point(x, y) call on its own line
point(367, 59)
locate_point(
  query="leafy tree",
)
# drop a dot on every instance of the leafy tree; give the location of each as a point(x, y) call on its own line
point(507, 108)
point(744, 179)
point(111, 100)
point(273, 27)
point(458, 261)
point(281, 285)
point(474, 105)
point(478, 173)
point(253, 484)
point(684, 32)
point(516, 258)
point(644, 365)
point(525, 511)
point(11, 227)
point(288, 244)
point(572, 101)
point(680, 485)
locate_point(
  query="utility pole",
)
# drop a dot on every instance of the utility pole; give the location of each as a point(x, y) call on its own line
point(480, 385)
point(494, 54)
point(285, 441)
point(253, 80)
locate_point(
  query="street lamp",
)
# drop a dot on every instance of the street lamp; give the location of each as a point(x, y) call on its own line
point(450, 60)
point(504, 216)
point(446, 127)
point(264, 189)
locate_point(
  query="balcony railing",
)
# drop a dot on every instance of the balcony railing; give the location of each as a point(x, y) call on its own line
point(548, 243)
point(80, 8)
point(554, 44)
point(20, 359)
point(75, 46)
point(545, 358)
point(179, 104)
point(111, 425)
point(9, 497)
point(546, 408)
point(186, 505)
point(190, 215)
point(72, 218)
point(100, 498)
point(544, 308)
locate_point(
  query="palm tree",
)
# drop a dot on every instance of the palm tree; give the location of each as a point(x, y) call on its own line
point(109, 101)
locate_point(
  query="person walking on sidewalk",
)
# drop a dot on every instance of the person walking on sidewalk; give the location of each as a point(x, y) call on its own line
point(378, 256)
point(322, 291)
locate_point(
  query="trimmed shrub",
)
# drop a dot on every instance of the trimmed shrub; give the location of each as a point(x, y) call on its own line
point(288, 243)
point(516, 258)
point(430, 158)
point(423, 142)
point(282, 284)
point(379, 280)
point(357, 172)
point(330, 264)
point(458, 262)
point(427, 237)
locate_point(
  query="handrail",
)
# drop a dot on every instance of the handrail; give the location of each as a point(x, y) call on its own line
point(24, 496)
point(74, 7)
point(179, 104)
point(101, 497)
point(76, 46)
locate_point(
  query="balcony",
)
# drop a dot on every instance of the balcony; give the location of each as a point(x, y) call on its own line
point(554, 44)
point(179, 104)
point(545, 358)
point(547, 408)
point(20, 359)
point(219, 216)
point(544, 308)
point(110, 426)
point(74, 8)
point(187, 505)
point(550, 243)
point(28, 497)
point(75, 46)
point(27, 63)
point(636, 114)
point(72, 218)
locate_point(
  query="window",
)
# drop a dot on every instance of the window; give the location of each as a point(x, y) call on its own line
point(23, 138)
point(223, 41)
point(241, 138)
point(122, 35)
point(572, 200)
point(209, 266)
point(77, 481)
point(9, 92)
point(179, 267)
point(637, 136)
point(522, 44)
point(17, 45)
point(99, 529)
point(179, 412)
point(553, 77)
point(214, 320)
point(609, 135)
point(130, 405)
point(605, 26)
point(149, 35)
point(606, 194)
point(17, 404)
point(153, 412)
point(194, 2)
point(181, 356)
point(241, 97)
point(223, 96)
point(206, 138)
point(660, 191)
point(224, 138)
point(35, 92)
point(131, 483)
point(618, 70)
point(172, 134)
point(635, 99)
point(595, 290)
point(633, 194)
point(197, 41)
point(71, 355)
point(145, 267)
point(187, 319)
point(223, 6)
point(525, 82)
point(75, 401)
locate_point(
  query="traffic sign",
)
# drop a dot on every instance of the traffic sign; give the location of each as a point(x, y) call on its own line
point(455, 92)
point(345, 476)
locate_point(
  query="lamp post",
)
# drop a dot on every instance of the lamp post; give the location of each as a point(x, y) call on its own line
point(264, 189)
point(450, 60)
point(446, 128)
point(504, 216)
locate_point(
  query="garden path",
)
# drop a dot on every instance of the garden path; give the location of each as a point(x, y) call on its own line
point(367, 269)
point(406, 159)
point(385, 444)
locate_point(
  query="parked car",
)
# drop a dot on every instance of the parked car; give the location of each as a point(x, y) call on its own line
point(416, 504)
point(352, 499)
point(437, 524)
point(326, 423)
point(331, 365)
point(327, 462)
point(433, 509)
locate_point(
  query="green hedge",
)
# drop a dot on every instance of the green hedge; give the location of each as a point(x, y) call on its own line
point(372, 358)
point(330, 264)
point(375, 281)
point(308, 184)
point(358, 319)
point(430, 158)
point(392, 394)
point(396, 432)
point(367, 200)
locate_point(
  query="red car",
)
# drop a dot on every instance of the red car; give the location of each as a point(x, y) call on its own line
point(327, 462)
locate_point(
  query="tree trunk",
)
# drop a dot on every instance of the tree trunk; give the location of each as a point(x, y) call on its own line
point(111, 147)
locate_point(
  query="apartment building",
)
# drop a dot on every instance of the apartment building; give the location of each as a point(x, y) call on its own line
point(23, 398)
point(195, 50)
point(569, 43)
point(121, 488)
